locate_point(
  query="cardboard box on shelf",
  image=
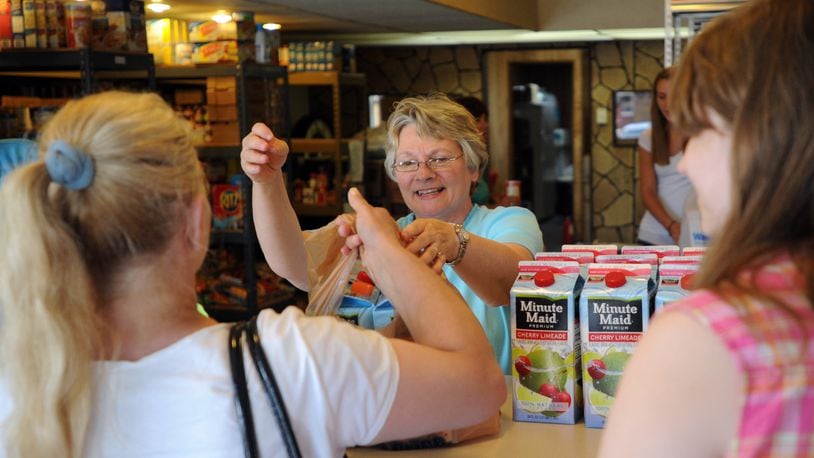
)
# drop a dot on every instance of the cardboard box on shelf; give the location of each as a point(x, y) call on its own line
point(222, 112)
point(217, 83)
point(224, 97)
point(214, 52)
point(227, 207)
point(225, 133)
point(117, 35)
point(188, 97)
point(206, 31)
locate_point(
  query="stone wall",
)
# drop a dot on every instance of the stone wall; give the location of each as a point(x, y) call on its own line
point(616, 203)
point(400, 71)
point(616, 206)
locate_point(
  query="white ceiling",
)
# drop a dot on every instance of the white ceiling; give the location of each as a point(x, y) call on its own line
point(498, 20)
point(343, 16)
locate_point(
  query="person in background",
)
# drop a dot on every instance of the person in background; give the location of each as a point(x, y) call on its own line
point(729, 371)
point(482, 195)
point(435, 154)
point(104, 353)
point(664, 189)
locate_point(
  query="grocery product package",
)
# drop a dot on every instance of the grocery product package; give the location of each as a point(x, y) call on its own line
point(546, 375)
point(675, 282)
point(614, 315)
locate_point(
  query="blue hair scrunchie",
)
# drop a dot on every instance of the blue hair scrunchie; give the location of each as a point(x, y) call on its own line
point(69, 166)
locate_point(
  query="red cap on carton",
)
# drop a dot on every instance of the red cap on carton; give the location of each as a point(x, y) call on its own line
point(687, 281)
point(544, 278)
point(615, 279)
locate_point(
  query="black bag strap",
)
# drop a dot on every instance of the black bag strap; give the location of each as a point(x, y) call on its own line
point(269, 383)
point(244, 407)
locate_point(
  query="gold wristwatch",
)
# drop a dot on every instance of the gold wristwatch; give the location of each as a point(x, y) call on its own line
point(463, 241)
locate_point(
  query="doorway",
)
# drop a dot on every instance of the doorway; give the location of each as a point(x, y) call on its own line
point(548, 75)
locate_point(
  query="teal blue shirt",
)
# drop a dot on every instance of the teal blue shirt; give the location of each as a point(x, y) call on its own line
point(515, 225)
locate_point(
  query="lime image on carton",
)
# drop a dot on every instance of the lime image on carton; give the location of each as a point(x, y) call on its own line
point(546, 377)
point(614, 314)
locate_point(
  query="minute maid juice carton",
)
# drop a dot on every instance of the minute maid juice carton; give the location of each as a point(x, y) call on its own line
point(651, 259)
point(546, 385)
point(582, 257)
point(660, 250)
point(614, 314)
point(675, 282)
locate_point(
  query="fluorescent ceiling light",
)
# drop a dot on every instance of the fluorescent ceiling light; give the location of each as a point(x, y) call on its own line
point(157, 6)
point(222, 17)
point(649, 33)
point(272, 26)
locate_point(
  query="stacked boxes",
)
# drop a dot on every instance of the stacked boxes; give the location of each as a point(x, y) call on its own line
point(230, 42)
point(221, 100)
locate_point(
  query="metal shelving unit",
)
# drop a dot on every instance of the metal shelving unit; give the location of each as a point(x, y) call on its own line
point(253, 106)
point(345, 89)
point(84, 64)
point(684, 19)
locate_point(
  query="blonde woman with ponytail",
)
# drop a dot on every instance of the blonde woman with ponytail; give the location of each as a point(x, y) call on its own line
point(104, 354)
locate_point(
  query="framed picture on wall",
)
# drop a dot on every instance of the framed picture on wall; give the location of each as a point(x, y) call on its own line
point(631, 116)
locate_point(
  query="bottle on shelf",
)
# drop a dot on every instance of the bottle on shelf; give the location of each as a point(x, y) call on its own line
point(261, 45)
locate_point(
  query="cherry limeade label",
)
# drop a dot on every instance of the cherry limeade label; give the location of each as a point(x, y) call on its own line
point(614, 312)
point(546, 385)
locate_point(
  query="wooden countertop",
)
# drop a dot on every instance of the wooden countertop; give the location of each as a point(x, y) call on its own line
point(516, 439)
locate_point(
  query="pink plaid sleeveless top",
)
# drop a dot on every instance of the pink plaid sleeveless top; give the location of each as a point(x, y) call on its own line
point(778, 413)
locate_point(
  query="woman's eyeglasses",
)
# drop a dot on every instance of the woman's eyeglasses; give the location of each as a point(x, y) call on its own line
point(433, 163)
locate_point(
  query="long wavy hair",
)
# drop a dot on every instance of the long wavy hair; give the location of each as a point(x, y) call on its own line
point(660, 125)
point(754, 67)
point(64, 248)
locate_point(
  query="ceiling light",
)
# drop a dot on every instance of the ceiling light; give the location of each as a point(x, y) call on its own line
point(272, 26)
point(157, 7)
point(222, 17)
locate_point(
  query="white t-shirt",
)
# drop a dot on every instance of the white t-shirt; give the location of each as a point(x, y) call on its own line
point(672, 187)
point(338, 384)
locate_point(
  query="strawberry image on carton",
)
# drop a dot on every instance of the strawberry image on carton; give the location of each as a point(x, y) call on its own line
point(546, 385)
point(614, 314)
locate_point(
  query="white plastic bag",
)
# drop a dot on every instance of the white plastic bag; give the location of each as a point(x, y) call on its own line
point(328, 270)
